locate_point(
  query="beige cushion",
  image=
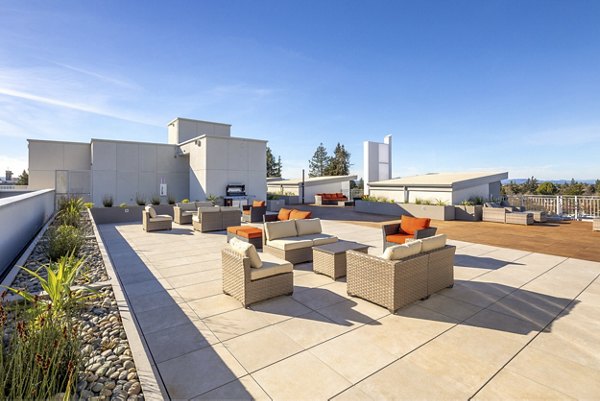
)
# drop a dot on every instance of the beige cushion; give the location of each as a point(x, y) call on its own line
point(308, 226)
point(196, 218)
point(248, 250)
point(320, 239)
point(290, 243)
point(397, 252)
point(203, 204)
point(161, 217)
point(270, 269)
point(187, 206)
point(435, 242)
point(188, 213)
point(208, 209)
point(151, 211)
point(280, 229)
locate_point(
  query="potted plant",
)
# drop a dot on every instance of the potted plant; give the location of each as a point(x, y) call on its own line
point(274, 202)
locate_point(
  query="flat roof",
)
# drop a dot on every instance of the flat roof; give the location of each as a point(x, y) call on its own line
point(441, 179)
point(220, 137)
point(313, 180)
point(196, 121)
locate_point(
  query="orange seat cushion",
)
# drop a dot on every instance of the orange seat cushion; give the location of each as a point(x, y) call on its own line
point(258, 203)
point(411, 224)
point(249, 232)
point(246, 211)
point(233, 229)
point(284, 214)
point(397, 238)
point(299, 215)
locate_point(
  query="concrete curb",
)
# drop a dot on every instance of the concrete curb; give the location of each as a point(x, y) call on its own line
point(152, 387)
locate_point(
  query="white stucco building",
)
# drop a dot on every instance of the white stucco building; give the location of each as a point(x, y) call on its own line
point(200, 158)
point(450, 188)
point(312, 186)
point(377, 161)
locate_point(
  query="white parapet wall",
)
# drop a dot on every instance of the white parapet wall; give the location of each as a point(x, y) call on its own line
point(21, 217)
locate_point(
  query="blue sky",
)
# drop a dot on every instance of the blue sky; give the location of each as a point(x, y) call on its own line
point(461, 85)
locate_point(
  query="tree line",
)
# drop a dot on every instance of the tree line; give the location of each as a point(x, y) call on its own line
point(533, 187)
point(321, 164)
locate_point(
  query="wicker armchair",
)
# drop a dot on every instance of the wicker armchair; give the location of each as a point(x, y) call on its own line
point(153, 222)
point(238, 278)
point(394, 229)
point(253, 214)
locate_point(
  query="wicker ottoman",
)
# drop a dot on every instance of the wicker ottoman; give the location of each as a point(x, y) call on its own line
point(596, 224)
point(525, 218)
point(330, 259)
point(539, 216)
point(249, 234)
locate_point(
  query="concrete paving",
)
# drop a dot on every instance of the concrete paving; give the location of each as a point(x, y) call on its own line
point(516, 325)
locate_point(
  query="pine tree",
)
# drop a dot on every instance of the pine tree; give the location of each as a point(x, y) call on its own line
point(339, 164)
point(23, 179)
point(319, 162)
point(273, 167)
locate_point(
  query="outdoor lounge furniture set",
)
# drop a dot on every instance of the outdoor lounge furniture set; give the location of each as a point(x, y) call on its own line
point(409, 227)
point(155, 222)
point(338, 199)
point(503, 212)
point(287, 214)
point(183, 212)
point(255, 212)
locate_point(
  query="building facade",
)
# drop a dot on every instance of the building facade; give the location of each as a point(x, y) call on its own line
point(201, 158)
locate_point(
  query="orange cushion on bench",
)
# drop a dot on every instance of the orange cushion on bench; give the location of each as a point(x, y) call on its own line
point(411, 224)
point(397, 238)
point(249, 232)
point(299, 215)
point(246, 211)
point(233, 229)
point(284, 214)
point(258, 203)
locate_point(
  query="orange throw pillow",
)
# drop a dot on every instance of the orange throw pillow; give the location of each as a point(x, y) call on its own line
point(258, 203)
point(411, 224)
point(284, 214)
point(299, 215)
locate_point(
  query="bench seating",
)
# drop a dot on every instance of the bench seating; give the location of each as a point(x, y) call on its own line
point(183, 212)
point(252, 235)
point(216, 218)
point(331, 199)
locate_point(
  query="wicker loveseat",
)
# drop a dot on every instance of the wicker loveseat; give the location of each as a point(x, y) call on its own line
point(155, 222)
point(331, 199)
point(409, 227)
point(250, 277)
point(216, 218)
point(255, 212)
point(293, 240)
point(183, 212)
point(510, 215)
point(403, 274)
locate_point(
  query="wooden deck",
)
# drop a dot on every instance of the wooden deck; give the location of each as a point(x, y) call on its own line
point(574, 239)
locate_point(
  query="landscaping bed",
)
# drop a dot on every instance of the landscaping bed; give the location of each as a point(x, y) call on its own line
point(65, 341)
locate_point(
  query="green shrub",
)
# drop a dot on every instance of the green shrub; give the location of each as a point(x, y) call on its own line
point(89, 205)
point(123, 205)
point(186, 200)
point(272, 197)
point(440, 202)
point(171, 200)
point(155, 200)
point(140, 200)
point(107, 200)
point(214, 199)
point(64, 240)
point(69, 211)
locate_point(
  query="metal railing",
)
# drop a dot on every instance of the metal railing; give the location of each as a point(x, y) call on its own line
point(12, 187)
point(576, 207)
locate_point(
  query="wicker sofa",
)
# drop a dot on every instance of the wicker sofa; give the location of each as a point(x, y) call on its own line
point(287, 214)
point(250, 277)
point(293, 240)
point(183, 212)
point(403, 274)
point(509, 215)
point(409, 227)
point(155, 222)
point(216, 218)
point(331, 199)
point(255, 212)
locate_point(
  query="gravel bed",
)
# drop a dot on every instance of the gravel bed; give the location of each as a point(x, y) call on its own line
point(109, 371)
point(94, 270)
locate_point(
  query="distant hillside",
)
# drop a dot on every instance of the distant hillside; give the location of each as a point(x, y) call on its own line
point(522, 180)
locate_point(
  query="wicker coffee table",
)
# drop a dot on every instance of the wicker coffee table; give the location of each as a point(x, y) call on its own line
point(330, 259)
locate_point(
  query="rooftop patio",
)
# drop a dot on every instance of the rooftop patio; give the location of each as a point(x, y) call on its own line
point(517, 324)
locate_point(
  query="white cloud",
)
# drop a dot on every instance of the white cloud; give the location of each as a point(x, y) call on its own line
point(14, 163)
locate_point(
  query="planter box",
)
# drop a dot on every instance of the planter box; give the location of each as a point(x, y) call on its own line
point(468, 212)
point(290, 200)
point(273, 205)
point(129, 214)
point(410, 209)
